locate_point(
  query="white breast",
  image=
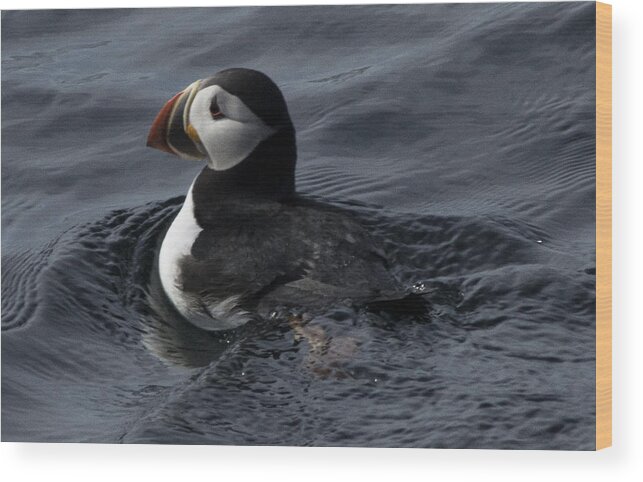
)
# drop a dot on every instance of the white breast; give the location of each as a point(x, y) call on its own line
point(207, 314)
point(176, 245)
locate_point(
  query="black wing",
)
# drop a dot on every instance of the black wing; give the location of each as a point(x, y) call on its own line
point(303, 254)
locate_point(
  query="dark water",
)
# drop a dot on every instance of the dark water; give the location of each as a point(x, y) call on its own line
point(462, 135)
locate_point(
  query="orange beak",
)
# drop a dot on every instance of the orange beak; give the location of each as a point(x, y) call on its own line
point(157, 138)
point(172, 132)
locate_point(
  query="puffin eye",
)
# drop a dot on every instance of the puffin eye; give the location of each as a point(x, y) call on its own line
point(215, 111)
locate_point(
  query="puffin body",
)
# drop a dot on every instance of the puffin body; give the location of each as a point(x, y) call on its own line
point(245, 244)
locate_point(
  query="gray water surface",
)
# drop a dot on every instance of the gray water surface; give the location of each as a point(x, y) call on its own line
point(462, 136)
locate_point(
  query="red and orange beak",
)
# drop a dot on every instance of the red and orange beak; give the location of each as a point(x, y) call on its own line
point(171, 130)
point(157, 138)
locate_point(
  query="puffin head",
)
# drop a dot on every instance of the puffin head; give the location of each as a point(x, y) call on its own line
point(237, 117)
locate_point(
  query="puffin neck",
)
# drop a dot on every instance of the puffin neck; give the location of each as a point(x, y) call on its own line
point(267, 174)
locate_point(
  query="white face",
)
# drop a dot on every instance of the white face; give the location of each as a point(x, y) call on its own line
point(231, 136)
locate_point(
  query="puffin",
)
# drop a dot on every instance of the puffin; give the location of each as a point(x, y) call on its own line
point(245, 244)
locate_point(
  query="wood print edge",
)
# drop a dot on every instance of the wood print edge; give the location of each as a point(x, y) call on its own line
point(603, 225)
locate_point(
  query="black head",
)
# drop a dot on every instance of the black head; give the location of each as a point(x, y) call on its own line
point(238, 122)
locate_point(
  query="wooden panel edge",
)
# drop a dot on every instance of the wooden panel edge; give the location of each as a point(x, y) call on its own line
point(603, 225)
